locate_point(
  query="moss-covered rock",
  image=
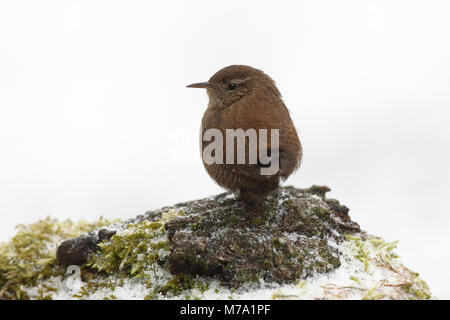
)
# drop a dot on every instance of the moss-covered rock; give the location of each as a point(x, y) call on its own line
point(30, 255)
point(287, 236)
point(288, 246)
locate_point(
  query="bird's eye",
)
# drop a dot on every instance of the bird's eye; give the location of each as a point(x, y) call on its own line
point(231, 86)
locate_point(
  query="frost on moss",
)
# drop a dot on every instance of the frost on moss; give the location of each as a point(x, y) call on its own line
point(290, 235)
point(140, 251)
point(376, 272)
point(300, 246)
point(30, 255)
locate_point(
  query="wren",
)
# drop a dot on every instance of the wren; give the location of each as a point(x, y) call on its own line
point(245, 100)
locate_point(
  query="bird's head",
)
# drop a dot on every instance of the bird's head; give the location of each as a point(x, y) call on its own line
point(234, 82)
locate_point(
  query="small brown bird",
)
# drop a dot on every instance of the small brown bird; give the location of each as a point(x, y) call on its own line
point(242, 97)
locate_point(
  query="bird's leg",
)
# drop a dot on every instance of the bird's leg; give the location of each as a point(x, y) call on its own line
point(253, 206)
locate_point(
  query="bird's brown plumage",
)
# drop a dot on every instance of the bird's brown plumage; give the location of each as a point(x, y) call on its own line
point(254, 103)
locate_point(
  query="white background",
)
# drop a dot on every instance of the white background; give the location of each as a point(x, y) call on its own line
point(95, 118)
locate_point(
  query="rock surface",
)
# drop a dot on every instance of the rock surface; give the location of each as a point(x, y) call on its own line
point(296, 244)
point(288, 236)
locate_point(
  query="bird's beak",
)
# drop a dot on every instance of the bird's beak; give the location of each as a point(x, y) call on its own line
point(199, 85)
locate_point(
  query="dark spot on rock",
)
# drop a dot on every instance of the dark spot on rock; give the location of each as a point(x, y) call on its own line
point(75, 251)
point(104, 234)
point(318, 190)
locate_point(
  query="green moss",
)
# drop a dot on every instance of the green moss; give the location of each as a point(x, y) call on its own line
point(362, 253)
point(257, 221)
point(83, 293)
point(131, 253)
point(182, 282)
point(280, 296)
point(376, 251)
point(372, 294)
point(137, 253)
point(177, 285)
point(277, 243)
point(30, 255)
point(418, 288)
point(355, 279)
point(287, 241)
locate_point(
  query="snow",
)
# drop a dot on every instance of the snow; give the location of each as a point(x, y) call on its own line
point(352, 280)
